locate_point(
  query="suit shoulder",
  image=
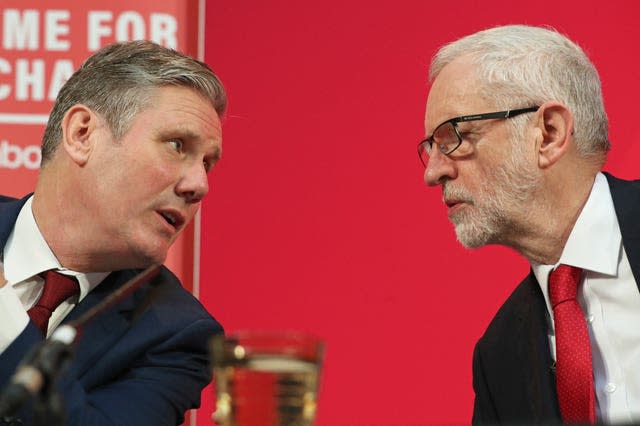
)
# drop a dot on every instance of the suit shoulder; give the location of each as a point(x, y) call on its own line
point(616, 181)
point(4, 199)
point(524, 301)
point(166, 296)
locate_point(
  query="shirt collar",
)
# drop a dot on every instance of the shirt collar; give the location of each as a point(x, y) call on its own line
point(597, 223)
point(594, 242)
point(27, 254)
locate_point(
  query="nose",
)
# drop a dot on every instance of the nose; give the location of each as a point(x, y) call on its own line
point(439, 168)
point(194, 184)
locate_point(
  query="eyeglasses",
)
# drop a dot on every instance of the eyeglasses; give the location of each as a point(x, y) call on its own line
point(447, 136)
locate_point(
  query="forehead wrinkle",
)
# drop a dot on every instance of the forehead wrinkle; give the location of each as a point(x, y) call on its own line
point(453, 93)
point(452, 102)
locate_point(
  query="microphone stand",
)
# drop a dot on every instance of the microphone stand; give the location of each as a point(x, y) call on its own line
point(37, 373)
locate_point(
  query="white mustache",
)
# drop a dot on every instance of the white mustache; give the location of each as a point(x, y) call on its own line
point(451, 193)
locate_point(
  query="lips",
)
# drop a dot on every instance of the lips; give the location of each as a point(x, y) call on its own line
point(454, 205)
point(451, 203)
point(455, 198)
point(173, 217)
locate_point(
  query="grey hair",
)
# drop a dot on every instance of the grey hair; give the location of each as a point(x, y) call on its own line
point(118, 81)
point(523, 66)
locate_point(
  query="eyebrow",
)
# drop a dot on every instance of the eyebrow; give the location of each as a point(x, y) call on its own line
point(217, 153)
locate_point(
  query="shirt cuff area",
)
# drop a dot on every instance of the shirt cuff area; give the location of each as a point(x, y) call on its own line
point(13, 317)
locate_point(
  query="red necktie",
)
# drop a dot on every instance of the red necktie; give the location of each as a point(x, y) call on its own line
point(57, 289)
point(574, 372)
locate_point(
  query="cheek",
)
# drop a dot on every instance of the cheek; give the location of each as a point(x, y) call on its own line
point(481, 183)
point(474, 175)
point(131, 193)
point(137, 178)
point(152, 176)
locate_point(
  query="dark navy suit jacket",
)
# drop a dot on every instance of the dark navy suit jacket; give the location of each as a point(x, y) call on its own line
point(513, 378)
point(143, 362)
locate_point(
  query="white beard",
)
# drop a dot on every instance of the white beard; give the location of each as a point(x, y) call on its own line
point(491, 217)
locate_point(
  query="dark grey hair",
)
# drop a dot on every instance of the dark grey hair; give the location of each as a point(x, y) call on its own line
point(118, 81)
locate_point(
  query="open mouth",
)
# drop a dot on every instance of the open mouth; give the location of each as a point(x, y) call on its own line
point(172, 218)
point(169, 218)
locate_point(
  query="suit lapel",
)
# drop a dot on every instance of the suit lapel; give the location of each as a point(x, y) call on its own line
point(533, 350)
point(626, 200)
point(516, 359)
point(9, 210)
point(101, 332)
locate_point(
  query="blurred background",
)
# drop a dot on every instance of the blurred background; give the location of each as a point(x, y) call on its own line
point(318, 217)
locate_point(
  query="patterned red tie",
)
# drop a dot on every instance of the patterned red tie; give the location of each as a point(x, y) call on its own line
point(57, 289)
point(574, 372)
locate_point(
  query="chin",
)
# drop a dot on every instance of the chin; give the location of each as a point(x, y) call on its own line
point(147, 255)
point(156, 258)
point(473, 235)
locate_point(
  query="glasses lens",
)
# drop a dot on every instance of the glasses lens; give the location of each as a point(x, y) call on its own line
point(445, 138)
point(423, 151)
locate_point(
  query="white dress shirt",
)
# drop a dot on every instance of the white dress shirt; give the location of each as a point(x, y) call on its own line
point(610, 299)
point(26, 254)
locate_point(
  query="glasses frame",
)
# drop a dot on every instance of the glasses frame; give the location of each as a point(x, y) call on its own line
point(429, 141)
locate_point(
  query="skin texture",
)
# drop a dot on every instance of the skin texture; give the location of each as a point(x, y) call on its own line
point(507, 189)
point(115, 194)
point(484, 187)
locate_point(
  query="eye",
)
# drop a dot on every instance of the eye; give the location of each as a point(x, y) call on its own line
point(469, 137)
point(176, 144)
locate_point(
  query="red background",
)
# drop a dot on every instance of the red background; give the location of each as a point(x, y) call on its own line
point(318, 218)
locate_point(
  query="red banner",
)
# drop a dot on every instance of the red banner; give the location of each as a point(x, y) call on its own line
point(41, 45)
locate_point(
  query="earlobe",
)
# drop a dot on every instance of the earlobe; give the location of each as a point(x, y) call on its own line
point(555, 130)
point(78, 125)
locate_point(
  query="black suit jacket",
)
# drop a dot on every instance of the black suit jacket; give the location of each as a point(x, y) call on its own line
point(513, 378)
point(143, 362)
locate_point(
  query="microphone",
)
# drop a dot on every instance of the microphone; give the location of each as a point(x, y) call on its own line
point(36, 373)
point(37, 369)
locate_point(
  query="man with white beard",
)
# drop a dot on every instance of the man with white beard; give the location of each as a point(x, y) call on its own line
point(517, 137)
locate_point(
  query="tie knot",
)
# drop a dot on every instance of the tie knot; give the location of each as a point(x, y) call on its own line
point(57, 288)
point(563, 284)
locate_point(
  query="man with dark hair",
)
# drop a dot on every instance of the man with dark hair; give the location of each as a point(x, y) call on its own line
point(126, 155)
point(517, 137)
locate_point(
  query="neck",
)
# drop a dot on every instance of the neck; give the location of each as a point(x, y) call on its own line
point(60, 210)
point(549, 220)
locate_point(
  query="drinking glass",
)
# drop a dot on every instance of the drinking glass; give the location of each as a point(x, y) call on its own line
point(266, 378)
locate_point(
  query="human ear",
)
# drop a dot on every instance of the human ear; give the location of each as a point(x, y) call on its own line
point(555, 132)
point(78, 125)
